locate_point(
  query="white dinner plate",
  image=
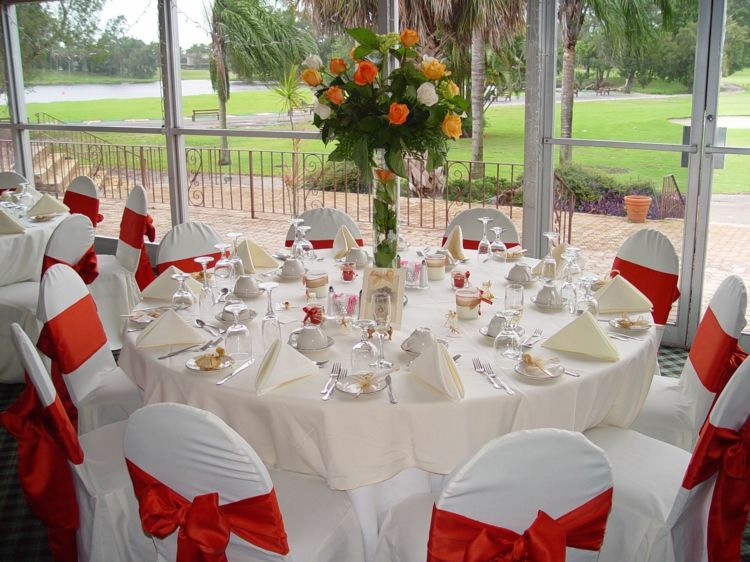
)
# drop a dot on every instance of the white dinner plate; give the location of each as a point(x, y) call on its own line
point(533, 373)
point(353, 385)
point(615, 325)
point(225, 363)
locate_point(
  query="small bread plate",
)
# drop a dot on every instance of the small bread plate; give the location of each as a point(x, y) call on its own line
point(293, 343)
point(548, 307)
point(244, 316)
point(145, 317)
point(637, 328)
point(356, 385)
point(527, 284)
point(483, 330)
point(226, 362)
point(552, 368)
point(44, 218)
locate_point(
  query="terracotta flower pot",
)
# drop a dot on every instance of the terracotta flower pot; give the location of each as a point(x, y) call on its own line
point(637, 207)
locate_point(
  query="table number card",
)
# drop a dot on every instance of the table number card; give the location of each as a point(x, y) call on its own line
point(384, 280)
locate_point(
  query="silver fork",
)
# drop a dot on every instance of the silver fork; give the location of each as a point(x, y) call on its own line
point(534, 335)
point(491, 374)
point(335, 370)
point(479, 368)
point(329, 393)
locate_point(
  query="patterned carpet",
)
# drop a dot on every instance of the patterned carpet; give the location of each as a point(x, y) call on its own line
point(24, 539)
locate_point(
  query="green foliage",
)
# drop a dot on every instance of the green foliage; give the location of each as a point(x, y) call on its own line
point(589, 184)
point(487, 190)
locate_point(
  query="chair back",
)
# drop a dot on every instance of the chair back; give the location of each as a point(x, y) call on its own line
point(709, 363)
point(184, 458)
point(472, 228)
point(82, 197)
point(710, 513)
point(649, 261)
point(72, 243)
point(11, 180)
point(324, 224)
point(184, 243)
point(488, 504)
point(72, 335)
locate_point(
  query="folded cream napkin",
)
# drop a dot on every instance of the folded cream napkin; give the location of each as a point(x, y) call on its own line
point(9, 224)
point(557, 253)
point(47, 205)
point(282, 364)
point(584, 335)
point(620, 295)
point(163, 287)
point(168, 329)
point(436, 367)
point(455, 243)
point(343, 242)
point(252, 256)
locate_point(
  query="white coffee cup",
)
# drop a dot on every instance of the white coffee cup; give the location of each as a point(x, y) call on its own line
point(358, 256)
point(520, 273)
point(548, 296)
point(496, 324)
point(309, 338)
point(292, 268)
point(246, 285)
point(418, 341)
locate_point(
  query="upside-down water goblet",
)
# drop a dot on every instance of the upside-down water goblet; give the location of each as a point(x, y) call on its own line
point(182, 299)
point(507, 343)
point(223, 268)
point(305, 247)
point(498, 248)
point(569, 289)
point(238, 341)
point(381, 313)
point(484, 244)
point(238, 268)
point(206, 298)
point(588, 302)
point(270, 328)
point(364, 354)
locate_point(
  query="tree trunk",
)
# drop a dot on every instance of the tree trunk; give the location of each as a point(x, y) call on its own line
point(477, 100)
point(629, 80)
point(224, 157)
point(566, 100)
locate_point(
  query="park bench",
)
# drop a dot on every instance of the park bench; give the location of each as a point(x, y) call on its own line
point(603, 91)
point(208, 112)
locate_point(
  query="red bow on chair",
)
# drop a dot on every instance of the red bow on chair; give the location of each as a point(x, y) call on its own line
point(87, 267)
point(204, 525)
point(455, 538)
point(725, 453)
point(84, 205)
point(133, 227)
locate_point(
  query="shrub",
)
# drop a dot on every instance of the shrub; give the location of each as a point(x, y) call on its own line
point(338, 176)
point(485, 190)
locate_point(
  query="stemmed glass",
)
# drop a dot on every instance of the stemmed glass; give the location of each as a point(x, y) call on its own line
point(507, 343)
point(223, 269)
point(304, 246)
point(270, 328)
point(588, 302)
point(381, 313)
point(498, 248)
point(569, 289)
point(552, 239)
point(206, 298)
point(403, 242)
point(24, 200)
point(182, 298)
point(238, 341)
point(364, 353)
point(238, 268)
point(484, 244)
point(514, 304)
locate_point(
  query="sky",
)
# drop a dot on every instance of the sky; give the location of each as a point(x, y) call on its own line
point(143, 20)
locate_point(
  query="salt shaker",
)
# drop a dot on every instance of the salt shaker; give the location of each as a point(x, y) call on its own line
point(423, 282)
point(329, 303)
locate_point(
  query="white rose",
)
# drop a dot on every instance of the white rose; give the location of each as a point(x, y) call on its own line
point(427, 95)
point(322, 110)
point(426, 59)
point(313, 61)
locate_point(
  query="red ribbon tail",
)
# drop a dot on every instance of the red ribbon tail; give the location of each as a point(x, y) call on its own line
point(62, 544)
point(144, 275)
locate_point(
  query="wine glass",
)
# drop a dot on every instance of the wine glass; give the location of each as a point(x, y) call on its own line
point(403, 242)
point(552, 238)
point(498, 247)
point(238, 341)
point(507, 344)
point(514, 303)
point(549, 270)
point(588, 302)
point(364, 353)
point(182, 298)
point(305, 247)
point(484, 244)
point(381, 313)
point(569, 289)
point(223, 268)
point(206, 298)
point(24, 199)
point(270, 328)
point(238, 268)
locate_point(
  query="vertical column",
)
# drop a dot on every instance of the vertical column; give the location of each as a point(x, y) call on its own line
point(539, 124)
point(170, 73)
point(16, 96)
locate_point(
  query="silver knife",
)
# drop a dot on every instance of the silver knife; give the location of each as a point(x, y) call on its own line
point(203, 347)
point(242, 367)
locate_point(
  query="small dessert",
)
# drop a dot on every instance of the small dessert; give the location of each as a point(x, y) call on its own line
point(626, 322)
point(211, 361)
point(367, 382)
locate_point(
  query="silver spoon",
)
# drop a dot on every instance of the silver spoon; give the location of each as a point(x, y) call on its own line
point(223, 295)
point(211, 329)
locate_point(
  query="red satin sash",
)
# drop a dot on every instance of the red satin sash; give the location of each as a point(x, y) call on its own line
point(726, 453)
point(83, 205)
point(474, 244)
point(455, 538)
point(323, 244)
point(660, 288)
point(186, 265)
point(87, 267)
point(204, 525)
point(133, 227)
point(46, 440)
point(711, 353)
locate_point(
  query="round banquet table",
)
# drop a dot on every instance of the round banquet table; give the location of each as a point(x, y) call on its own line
point(21, 254)
point(354, 444)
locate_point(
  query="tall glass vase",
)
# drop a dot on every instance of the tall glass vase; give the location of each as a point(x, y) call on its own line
point(384, 216)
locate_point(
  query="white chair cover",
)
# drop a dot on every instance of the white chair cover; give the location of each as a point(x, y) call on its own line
point(98, 388)
point(82, 196)
point(193, 453)
point(11, 180)
point(675, 409)
point(72, 238)
point(185, 242)
point(116, 291)
point(324, 223)
point(472, 228)
point(17, 304)
point(505, 484)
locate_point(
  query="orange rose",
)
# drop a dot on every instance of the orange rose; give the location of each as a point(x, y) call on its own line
point(335, 95)
point(311, 77)
point(337, 66)
point(451, 125)
point(384, 175)
point(366, 73)
point(409, 37)
point(453, 88)
point(432, 68)
point(397, 113)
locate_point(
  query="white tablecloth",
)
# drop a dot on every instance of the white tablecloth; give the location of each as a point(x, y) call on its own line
point(353, 443)
point(21, 254)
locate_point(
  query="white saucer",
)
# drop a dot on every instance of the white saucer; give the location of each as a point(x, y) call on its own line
point(483, 330)
point(524, 283)
point(351, 385)
point(225, 363)
point(537, 375)
point(243, 318)
point(549, 307)
point(614, 324)
point(293, 343)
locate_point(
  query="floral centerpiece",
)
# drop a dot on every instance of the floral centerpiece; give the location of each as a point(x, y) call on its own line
point(413, 110)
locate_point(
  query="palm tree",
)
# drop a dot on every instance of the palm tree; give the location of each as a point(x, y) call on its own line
point(623, 22)
point(256, 41)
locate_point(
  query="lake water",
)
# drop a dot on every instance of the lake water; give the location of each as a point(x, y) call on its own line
point(85, 92)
